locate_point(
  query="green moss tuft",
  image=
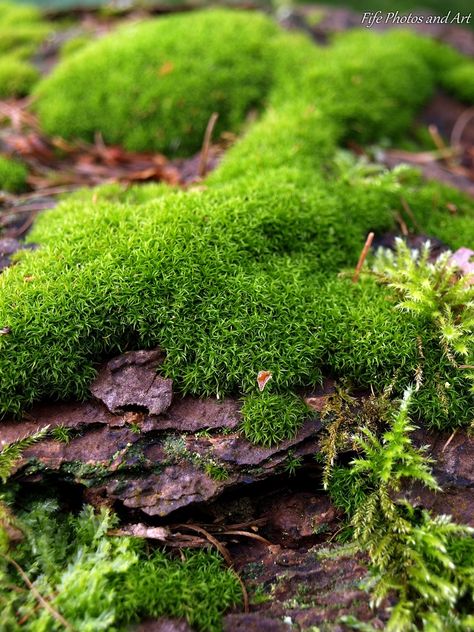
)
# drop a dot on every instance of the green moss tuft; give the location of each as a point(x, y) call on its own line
point(17, 77)
point(269, 418)
point(460, 81)
point(13, 174)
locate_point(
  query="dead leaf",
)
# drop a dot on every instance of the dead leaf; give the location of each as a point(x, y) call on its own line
point(262, 378)
point(166, 68)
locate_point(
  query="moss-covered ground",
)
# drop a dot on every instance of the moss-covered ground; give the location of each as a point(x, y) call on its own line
point(244, 276)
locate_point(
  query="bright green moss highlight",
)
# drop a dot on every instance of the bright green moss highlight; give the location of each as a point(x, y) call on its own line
point(17, 77)
point(166, 76)
point(99, 582)
point(13, 175)
point(269, 418)
point(12, 14)
point(227, 283)
point(348, 85)
point(460, 81)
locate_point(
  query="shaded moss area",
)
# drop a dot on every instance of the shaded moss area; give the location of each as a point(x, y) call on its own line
point(13, 173)
point(99, 582)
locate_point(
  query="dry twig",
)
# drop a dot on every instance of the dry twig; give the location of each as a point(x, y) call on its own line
point(363, 256)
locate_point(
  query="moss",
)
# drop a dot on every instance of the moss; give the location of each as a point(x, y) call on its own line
point(167, 75)
point(13, 174)
point(98, 582)
point(75, 44)
point(228, 283)
point(22, 29)
point(269, 418)
point(348, 86)
point(169, 90)
point(17, 77)
point(243, 276)
point(460, 81)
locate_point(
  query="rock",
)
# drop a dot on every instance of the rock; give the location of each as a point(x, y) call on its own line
point(303, 518)
point(254, 622)
point(453, 468)
point(163, 625)
point(304, 587)
point(160, 494)
point(190, 414)
point(234, 449)
point(131, 380)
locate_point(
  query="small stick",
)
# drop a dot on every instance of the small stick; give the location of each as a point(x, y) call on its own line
point(436, 137)
point(39, 597)
point(449, 440)
point(206, 144)
point(409, 212)
point(460, 125)
point(401, 223)
point(363, 256)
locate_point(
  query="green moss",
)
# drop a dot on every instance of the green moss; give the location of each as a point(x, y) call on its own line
point(75, 44)
point(269, 418)
point(97, 582)
point(243, 276)
point(12, 14)
point(348, 86)
point(460, 81)
point(17, 77)
point(167, 76)
point(22, 29)
point(13, 174)
point(228, 283)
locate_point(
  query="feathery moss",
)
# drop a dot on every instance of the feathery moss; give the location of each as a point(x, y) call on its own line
point(99, 582)
point(13, 174)
point(228, 283)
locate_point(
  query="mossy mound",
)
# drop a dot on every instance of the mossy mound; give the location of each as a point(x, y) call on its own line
point(229, 283)
point(17, 76)
point(154, 85)
point(13, 174)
